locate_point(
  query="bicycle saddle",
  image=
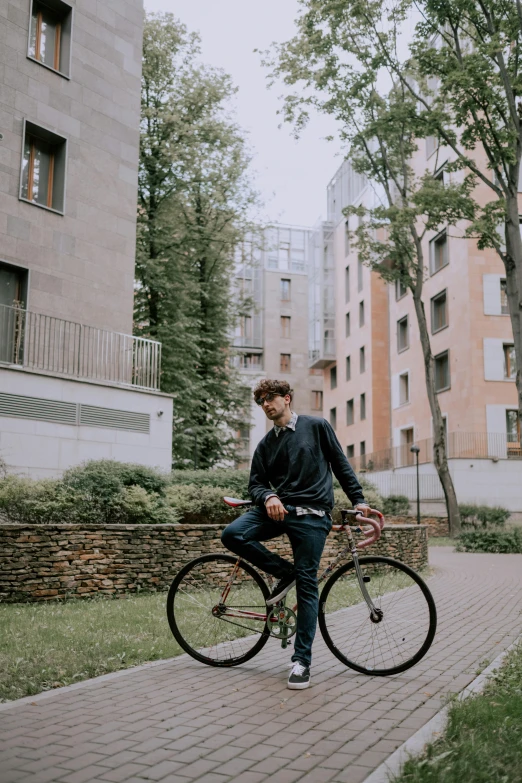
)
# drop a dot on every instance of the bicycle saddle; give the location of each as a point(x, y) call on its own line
point(236, 503)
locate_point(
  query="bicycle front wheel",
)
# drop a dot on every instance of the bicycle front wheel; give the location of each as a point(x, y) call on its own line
point(404, 629)
point(216, 608)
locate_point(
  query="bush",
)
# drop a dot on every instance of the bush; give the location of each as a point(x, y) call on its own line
point(483, 516)
point(236, 481)
point(99, 492)
point(496, 541)
point(396, 505)
point(341, 501)
point(201, 505)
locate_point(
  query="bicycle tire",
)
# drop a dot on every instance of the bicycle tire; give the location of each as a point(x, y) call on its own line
point(179, 589)
point(420, 601)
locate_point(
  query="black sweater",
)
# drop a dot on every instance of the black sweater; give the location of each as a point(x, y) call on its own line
point(298, 465)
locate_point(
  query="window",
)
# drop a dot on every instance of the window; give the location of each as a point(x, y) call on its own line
point(442, 372)
point(348, 368)
point(43, 168)
point(431, 145)
point(50, 35)
point(333, 417)
point(285, 326)
point(400, 289)
point(317, 401)
point(362, 360)
point(346, 237)
point(361, 313)
point(250, 361)
point(350, 451)
point(404, 388)
point(347, 324)
point(359, 275)
point(403, 336)
point(510, 362)
point(439, 252)
point(407, 457)
point(504, 306)
point(285, 290)
point(362, 449)
point(363, 407)
point(349, 412)
point(347, 284)
point(333, 378)
point(439, 312)
point(13, 297)
point(284, 363)
point(512, 427)
point(245, 327)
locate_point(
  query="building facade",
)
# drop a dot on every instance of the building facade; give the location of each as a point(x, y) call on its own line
point(74, 383)
point(272, 337)
point(375, 392)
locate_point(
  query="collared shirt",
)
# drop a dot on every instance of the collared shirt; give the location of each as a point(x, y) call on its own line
point(290, 426)
point(300, 511)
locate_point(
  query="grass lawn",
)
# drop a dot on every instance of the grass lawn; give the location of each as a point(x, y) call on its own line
point(442, 541)
point(47, 645)
point(483, 739)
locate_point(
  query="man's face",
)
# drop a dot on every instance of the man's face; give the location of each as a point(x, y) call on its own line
point(274, 405)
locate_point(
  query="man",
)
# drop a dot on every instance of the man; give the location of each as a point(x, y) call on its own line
point(291, 486)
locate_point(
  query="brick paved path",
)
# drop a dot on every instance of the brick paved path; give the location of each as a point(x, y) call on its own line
point(180, 721)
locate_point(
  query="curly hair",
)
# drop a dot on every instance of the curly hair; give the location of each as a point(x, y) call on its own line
point(267, 386)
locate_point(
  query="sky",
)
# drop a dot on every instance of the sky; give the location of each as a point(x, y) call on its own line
point(290, 175)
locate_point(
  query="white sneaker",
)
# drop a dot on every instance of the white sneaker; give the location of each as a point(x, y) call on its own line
point(299, 677)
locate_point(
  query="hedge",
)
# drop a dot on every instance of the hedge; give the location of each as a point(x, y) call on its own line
point(494, 541)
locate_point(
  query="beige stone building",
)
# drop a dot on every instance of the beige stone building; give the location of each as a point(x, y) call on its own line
point(74, 383)
point(272, 339)
point(374, 388)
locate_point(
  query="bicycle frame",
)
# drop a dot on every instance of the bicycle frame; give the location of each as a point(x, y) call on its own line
point(350, 549)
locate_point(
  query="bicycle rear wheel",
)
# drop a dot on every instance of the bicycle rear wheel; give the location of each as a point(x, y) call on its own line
point(207, 622)
point(403, 633)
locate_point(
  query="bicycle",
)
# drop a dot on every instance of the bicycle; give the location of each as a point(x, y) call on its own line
point(376, 614)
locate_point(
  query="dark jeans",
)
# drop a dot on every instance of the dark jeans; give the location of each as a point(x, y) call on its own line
point(307, 536)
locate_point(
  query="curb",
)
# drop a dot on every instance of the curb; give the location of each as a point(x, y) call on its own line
point(415, 745)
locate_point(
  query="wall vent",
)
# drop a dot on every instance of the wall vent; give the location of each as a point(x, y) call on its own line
point(94, 416)
point(19, 406)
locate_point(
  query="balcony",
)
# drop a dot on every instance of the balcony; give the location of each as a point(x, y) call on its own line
point(460, 445)
point(47, 344)
point(320, 358)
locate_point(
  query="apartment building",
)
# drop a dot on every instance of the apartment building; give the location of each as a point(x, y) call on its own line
point(375, 391)
point(74, 383)
point(271, 340)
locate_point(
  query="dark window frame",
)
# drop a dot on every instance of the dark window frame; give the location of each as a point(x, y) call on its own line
point(63, 13)
point(57, 175)
point(404, 320)
point(350, 412)
point(433, 249)
point(434, 303)
point(437, 359)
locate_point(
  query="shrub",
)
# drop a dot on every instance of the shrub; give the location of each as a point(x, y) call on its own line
point(33, 502)
point(106, 478)
point(236, 481)
point(483, 516)
point(396, 505)
point(141, 507)
point(341, 501)
point(497, 541)
point(200, 505)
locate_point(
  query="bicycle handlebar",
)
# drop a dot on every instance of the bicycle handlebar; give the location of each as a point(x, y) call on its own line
point(376, 525)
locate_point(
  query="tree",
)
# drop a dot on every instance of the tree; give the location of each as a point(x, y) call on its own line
point(333, 57)
point(193, 203)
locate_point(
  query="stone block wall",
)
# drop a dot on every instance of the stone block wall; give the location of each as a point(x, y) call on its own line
point(437, 526)
point(41, 563)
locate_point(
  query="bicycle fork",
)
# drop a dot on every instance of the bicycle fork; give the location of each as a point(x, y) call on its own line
point(375, 613)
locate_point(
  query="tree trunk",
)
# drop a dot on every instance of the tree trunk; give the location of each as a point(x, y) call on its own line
point(440, 457)
point(513, 264)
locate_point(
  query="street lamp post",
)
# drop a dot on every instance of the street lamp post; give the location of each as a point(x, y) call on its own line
point(415, 450)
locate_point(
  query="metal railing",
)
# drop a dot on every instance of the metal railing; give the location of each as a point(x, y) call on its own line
point(43, 342)
point(388, 484)
point(460, 445)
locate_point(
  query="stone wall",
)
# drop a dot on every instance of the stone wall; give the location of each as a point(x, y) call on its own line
point(40, 563)
point(437, 526)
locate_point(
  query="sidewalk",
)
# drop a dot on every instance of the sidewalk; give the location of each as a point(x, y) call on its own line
point(180, 721)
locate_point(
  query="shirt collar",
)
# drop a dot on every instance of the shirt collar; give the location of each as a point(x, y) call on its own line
point(290, 426)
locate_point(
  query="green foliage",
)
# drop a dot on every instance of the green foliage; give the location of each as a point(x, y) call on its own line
point(373, 498)
point(193, 202)
point(235, 481)
point(498, 541)
point(482, 742)
point(396, 505)
point(200, 505)
point(483, 516)
point(97, 492)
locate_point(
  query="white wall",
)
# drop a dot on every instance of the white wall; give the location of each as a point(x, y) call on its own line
point(491, 289)
point(45, 449)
